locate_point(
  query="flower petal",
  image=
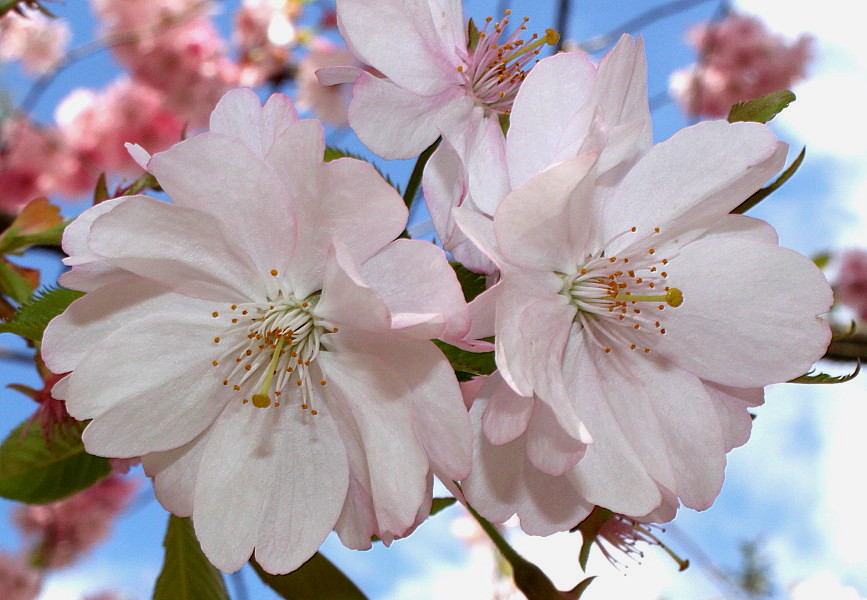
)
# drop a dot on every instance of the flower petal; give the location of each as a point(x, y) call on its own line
point(692, 180)
point(395, 123)
point(540, 224)
point(547, 123)
point(181, 248)
point(221, 176)
point(174, 473)
point(506, 413)
point(287, 475)
point(346, 299)
point(371, 400)
point(404, 41)
point(731, 405)
point(240, 115)
point(549, 448)
point(740, 294)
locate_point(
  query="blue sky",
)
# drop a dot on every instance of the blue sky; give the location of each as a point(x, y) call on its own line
point(788, 486)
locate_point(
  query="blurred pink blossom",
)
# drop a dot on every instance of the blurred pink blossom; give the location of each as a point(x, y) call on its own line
point(851, 284)
point(66, 529)
point(17, 580)
point(739, 59)
point(265, 34)
point(33, 162)
point(175, 49)
point(97, 125)
point(34, 39)
point(329, 103)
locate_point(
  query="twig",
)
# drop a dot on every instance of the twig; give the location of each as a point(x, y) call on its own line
point(562, 23)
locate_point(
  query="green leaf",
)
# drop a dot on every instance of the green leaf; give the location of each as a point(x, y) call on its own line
point(32, 318)
point(767, 191)
point(505, 121)
point(473, 35)
point(761, 110)
point(317, 579)
point(440, 504)
point(825, 378)
point(13, 284)
point(100, 192)
point(7, 5)
point(822, 259)
point(187, 573)
point(36, 469)
point(472, 284)
point(475, 363)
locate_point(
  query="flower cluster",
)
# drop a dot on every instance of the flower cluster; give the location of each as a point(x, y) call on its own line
point(275, 350)
point(34, 39)
point(739, 59)
point(850, 285)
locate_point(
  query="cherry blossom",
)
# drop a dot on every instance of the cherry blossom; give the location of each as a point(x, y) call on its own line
point(850, 284)
point(739, 59)
point(622, 319)
point(265, 33)
point(34, 39)
point(329, 103)
point(66, 529)
point(436, 81)
point(18, 581)
point(263, 343)
point(566, 105)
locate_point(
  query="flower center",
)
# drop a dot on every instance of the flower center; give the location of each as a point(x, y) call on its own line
point(276, 345)
point(496, 66)
point(619, 299)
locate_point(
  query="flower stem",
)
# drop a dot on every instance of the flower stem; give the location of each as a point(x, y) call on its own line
point(415, 179)
point(528, 577)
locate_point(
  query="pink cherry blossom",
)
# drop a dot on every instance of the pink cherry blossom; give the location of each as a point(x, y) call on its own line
point(175, 49)
point(739, 59)
point(18, 581)
point(95, 126)
point(34, 39)
point(850, 285)
point(62, 531)
point(328, 103)
point(622, 314)
point(434, 84)
point(264, 344)
point(566, 105)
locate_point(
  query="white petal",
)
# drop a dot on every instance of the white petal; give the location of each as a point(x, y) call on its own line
point(740, 295)
point(240, 115)
point(274, 479)
point(174, 473)
point(183, 249)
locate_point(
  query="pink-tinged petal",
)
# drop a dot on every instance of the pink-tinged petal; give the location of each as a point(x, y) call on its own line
point(745, 227)
point(395, 123)
point(445, 186)
point(287, 474)
point(540, 224)
point(483, 318)
point(621, 94)
point(344, 199)
point(692, 180)
point(480, 231)
point(549, 448)
point(346, 299)
point(183, 249)
point(371, 400)
point(478, 139)
point(414, 278)
point(88, 271)
point(515, 295)
point(357, 522)
point(90, 319)
point(221, 176)
point(174, 473)
point(503, 482)
point(547, 123)
point(506, 413)
point(240, 115)
point(740, 295)
point(178, 391)
point(448, 18)
point(141, 156)
point(403, 41)
point(612, 473)
point(731, 405)
point(338, 75)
